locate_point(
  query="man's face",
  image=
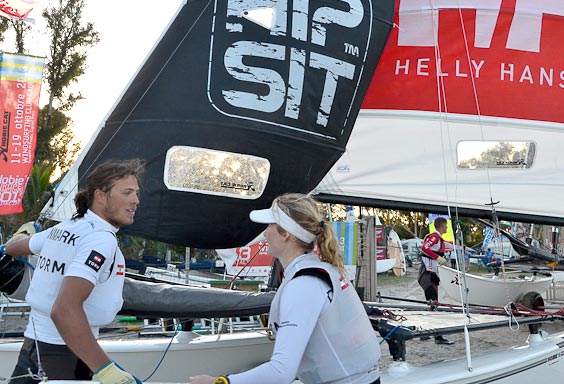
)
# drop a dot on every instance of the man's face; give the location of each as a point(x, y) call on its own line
point(442, 228)
point(120, 202)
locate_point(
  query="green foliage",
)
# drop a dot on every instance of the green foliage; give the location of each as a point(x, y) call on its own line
point(21, 28)
point(406, 224)
point(4, 24)
point(135, 247)
point(70, 40)
point(56, 143)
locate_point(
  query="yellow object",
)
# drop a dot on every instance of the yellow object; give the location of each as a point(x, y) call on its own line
point(448, 235)
point(221, 380)
point(441, 260)
point(27, 228)
point(112, 374)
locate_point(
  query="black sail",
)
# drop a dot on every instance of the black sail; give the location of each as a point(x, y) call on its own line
point(255, 78)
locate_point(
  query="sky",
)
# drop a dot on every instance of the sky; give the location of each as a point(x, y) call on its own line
point(128, 30)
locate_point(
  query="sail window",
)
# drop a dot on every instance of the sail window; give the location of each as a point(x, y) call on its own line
point(207, 171)
point(495, 154)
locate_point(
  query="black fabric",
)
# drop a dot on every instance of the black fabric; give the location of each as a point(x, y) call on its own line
point(319, 273)
point(11, 274)
point(428, 281)
point(180, 98)
point(58, 363)
point(150, 299)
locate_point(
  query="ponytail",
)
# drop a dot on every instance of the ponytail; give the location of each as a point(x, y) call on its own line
point(303, 209)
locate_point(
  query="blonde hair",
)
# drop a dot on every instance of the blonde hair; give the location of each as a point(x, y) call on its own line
point(303, 210)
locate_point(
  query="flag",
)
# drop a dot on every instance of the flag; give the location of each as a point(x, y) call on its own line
point(347, 236)
point(25, 10)
point(20, 85)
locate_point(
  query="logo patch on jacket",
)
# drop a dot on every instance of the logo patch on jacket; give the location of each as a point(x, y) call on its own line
point(95, 261)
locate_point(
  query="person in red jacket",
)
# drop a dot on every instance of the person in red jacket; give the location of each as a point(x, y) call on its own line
point(432, 252)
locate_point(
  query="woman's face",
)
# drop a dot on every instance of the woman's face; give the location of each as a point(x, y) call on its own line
point(276, 241)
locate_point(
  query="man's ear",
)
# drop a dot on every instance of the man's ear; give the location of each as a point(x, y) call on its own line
point(99, 195)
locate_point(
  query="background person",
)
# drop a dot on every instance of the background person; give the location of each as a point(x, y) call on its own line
point(432, 252)
point(322, 331)
point(452, 256)
point(78, 280)
point(489, 259)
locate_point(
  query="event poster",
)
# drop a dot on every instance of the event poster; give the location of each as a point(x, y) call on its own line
point(20, 85)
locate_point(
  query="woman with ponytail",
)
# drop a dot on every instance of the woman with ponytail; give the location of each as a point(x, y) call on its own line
point(321, 329)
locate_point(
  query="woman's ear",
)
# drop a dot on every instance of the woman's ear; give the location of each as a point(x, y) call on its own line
point(286, 235)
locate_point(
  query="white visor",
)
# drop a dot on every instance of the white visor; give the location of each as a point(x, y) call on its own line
point(275, 215)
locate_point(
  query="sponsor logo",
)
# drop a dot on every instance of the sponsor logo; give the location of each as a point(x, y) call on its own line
point(95, 261)
point(5, 138)
point(120, 270)
point(247, 186)
point(49, 265)
point(511, 163)
point(418, 24)
point(283, 63)
point(64, 236)
point(344, 283)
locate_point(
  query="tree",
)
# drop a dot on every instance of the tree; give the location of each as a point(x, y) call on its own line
point(20, 28)
point(55, 141)
point(4, 24)
point(68, 51)
point(70, 40)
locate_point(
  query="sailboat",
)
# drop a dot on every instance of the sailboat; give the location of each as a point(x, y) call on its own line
point(395, 157)
point(237, 103)
point(462, 118)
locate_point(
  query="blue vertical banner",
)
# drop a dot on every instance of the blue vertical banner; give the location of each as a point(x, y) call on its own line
point(347, 236)
point(488, 237)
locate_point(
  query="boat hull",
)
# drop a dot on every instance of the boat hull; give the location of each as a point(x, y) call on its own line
point(539, 361)
point(189, 354)
point(489, 291)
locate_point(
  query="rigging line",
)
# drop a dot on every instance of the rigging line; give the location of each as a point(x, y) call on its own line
point(143, 95)
point(475, 91)
point(441, 94)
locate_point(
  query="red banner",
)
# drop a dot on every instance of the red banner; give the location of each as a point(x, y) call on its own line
point(26, 10)
point(501, 58)
point(253, 260)
point(20, 85)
